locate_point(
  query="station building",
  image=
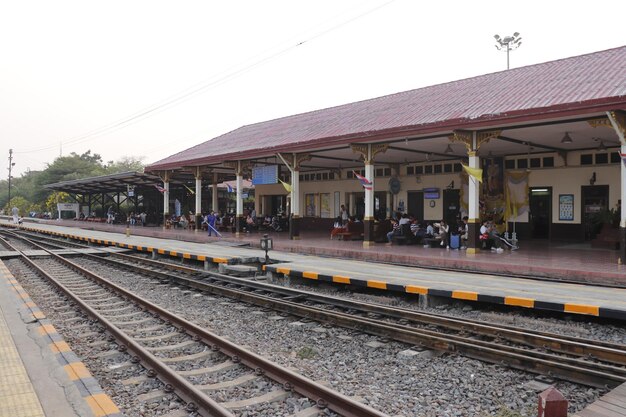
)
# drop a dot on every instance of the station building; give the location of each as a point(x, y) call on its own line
point(538, 149)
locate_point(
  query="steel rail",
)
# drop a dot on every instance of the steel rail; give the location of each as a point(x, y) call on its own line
point(324, 397)
point(572, 369)
point(609, 352)
point(182, 387)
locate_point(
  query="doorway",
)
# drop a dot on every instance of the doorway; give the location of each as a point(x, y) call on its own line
point(595, 200)
point(415, 204)
point(451, 207)
point(540, 216)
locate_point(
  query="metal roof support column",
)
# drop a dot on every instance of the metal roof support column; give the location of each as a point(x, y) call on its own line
point(239, 220)
point(214, 195)
point(198, 176)
point(166, 196)
point(618, 122)
point(368, 152)
point(351, 204)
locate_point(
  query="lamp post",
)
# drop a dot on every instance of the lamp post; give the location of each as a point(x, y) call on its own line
point(266, 245)
point(508, 43)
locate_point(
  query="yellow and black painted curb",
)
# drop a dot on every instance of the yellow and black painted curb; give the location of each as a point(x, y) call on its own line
point(586, 309)
point(148, 249)
point(98, 401)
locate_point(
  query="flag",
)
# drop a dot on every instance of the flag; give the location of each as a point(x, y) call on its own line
point(367, 184)
point(623, 156)
point(189, 189)
point(476, 173)
point(229, 188)
point(161, 189)
point(287, 186)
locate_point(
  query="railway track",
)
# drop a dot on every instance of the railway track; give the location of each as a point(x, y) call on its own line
point(177, 351)
point(588, 362)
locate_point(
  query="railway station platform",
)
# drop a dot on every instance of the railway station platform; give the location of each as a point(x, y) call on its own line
point(394, 270)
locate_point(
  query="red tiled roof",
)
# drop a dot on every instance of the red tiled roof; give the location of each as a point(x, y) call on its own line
point(594, 81)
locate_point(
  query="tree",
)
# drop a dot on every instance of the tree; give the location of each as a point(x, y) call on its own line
point(21, 203)
point(57, 197)
point(125, 164)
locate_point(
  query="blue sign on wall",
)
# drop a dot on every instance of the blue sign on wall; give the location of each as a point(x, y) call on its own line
point(265, 175)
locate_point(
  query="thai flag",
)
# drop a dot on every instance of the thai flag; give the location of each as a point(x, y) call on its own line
point(229, 188)
point(161, 189)
point(623, 156)
point(367, 184)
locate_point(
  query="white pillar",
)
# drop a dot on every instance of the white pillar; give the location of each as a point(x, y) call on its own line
point(369, 192)
point(351, 204)
point(295, 193)
point(198, 196)
point(473, 188)
point(623, 194)
point(214, 200)
point(166, 197)
point(239, 194)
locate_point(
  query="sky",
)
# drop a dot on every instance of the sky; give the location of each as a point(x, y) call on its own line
point(152, 78)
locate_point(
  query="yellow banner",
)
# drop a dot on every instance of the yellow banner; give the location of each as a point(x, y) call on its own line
point(476, 173)
point(287, 186)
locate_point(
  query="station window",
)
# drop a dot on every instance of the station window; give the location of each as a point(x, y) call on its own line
point(387, 172)
point(509, 164)
point(419, 170)
point(458, 167)
point(522, 163)
point(428, 169)
point(379, 172)
point(535, 162)
point(602, 158)
point(548, 161)
point(447, 168)
point(331, 175)
point(410, 170)
point(438, 169)
point(615, 159)
point(586, 159)
point(324, 175)
point(350, 174)
point(318, 176)
point(301, 177)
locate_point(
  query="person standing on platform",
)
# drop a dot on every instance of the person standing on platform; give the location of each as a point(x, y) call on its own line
point(16, 214)
point(210, 221)
point(344, 215)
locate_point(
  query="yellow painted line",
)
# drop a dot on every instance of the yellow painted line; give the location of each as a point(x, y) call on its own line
point(161, 251)
point(102, 405)
point(340, 279)
point(47, 329)
point(582, 309)
point(203, 258)
point(310, 275)
point(465, 295)
point(39, 315)
point(415, 289)
point(186, 256)
point(173, 253)
point(284, 271)
point(519, 301)
point(377, 284)
point(77, 370)
point(139, 248)
point(220, 260)
point(61, 346)
point(30, 304)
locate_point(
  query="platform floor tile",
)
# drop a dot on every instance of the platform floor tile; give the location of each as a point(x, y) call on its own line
point(17, 395)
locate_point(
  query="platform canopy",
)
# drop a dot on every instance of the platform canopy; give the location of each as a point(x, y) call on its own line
point(532, 107)
point(106, 183)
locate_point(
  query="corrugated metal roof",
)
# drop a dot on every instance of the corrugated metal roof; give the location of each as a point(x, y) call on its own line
point(572, 83)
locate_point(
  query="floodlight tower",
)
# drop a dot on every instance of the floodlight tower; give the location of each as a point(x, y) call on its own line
point(508, 43)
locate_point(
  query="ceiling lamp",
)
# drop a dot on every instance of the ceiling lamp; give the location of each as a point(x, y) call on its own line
point(567, 138)
point(448, 149)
